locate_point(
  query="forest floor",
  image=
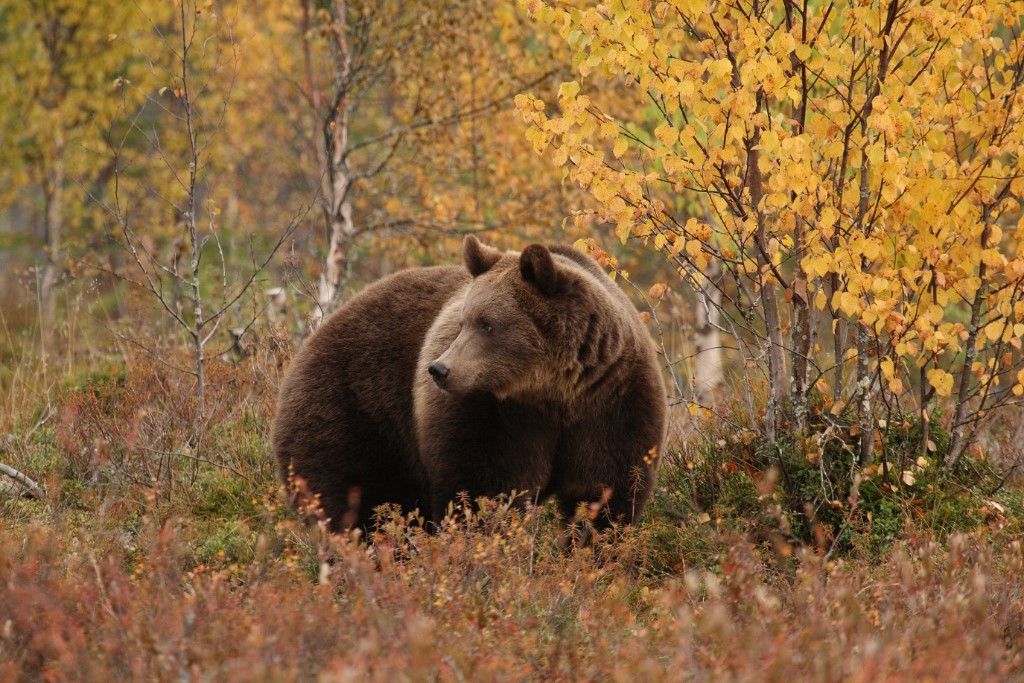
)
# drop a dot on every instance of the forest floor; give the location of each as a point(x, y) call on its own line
point(154, 555)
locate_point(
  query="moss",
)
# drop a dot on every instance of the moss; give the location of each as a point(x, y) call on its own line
point(671, 549)
point(230, 542)
point(17, 511)
point(222, 495)
point(106, 380)
point(803, 491)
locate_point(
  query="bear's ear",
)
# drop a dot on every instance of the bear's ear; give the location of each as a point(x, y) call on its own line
point(538, 268)
point(479, 257)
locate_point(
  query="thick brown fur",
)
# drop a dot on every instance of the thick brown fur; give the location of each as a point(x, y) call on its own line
point(529, 372)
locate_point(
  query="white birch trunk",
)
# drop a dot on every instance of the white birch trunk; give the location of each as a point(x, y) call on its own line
point(707, 371)
point(337, 179)
point(54, 225)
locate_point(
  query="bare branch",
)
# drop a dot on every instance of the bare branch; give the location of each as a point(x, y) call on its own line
point(32, 489)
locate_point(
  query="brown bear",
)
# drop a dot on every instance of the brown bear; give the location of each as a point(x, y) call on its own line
point(523, 371)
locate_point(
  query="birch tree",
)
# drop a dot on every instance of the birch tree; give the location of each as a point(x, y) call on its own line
point(197, 62)
point(859, 161)
point(379, 81)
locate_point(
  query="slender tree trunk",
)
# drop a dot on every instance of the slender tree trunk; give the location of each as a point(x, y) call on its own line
point(838, 344)
point(957, 441)
point(864, 389)
point(803, 340)
point(197, 311)
point(865, 407)
point(925, 421)
point(708, 373)
point(769, 302)
point(802, 343)
point(342, 230)
point(864, 382)
point(193, 233)
point(337, 181)
point(53, 193)
point(776, 359)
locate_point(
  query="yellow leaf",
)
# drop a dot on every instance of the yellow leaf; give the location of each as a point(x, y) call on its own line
point(994, 330)
point(941, 380)
point(667, 135)
point(622, 232)
point(608, 130)
point(568, 90)
point(849, 303)
point(870, 249)
point(693, 8)
point(620, 147)
point(720, 68)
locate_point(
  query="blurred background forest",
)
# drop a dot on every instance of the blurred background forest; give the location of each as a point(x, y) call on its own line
point(816, 206)
point(363, 136)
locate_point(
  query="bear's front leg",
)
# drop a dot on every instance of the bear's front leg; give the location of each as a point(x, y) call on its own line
point(487, 448)
point(584, 516)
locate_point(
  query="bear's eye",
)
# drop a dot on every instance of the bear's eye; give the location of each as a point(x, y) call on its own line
point(486, 326)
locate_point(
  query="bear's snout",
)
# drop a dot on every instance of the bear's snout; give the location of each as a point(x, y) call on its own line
point(439, 371)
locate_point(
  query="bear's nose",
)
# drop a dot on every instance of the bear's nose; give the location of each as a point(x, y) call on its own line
point(439, 371)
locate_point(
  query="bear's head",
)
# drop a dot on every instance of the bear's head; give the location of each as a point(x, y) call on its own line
point(506, 344)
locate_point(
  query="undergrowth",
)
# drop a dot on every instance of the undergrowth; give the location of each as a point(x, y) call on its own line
point(163, 550)
point(814, 492)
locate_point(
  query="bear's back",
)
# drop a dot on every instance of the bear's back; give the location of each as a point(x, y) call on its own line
point(349, 387)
